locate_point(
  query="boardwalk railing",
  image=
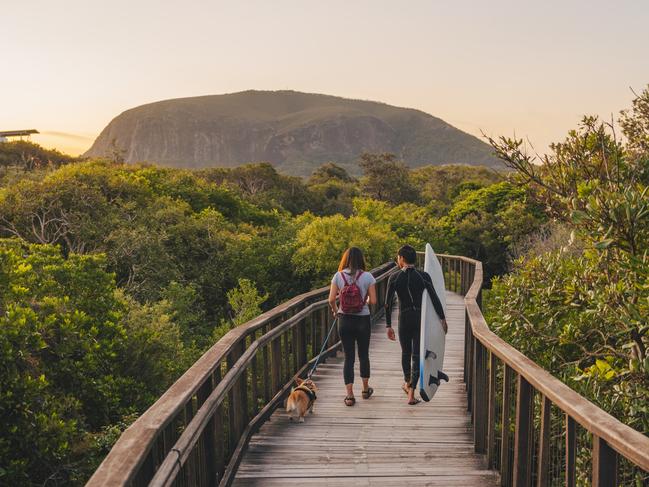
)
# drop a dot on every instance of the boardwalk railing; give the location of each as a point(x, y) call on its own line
point(533, 428)
point(196, 432)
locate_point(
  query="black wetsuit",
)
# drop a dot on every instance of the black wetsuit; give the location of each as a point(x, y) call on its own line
point(409, 285)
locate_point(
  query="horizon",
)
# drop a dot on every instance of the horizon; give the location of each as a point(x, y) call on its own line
point(503, 69)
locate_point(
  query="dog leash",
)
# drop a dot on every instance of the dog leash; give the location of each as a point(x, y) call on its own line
point(324, 344)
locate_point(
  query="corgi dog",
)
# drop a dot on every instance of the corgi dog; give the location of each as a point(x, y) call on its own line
point(301, 399)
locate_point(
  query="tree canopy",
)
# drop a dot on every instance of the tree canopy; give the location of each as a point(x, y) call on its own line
point(115, 277)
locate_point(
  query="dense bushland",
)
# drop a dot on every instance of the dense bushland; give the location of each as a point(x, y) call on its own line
point(578, 299)
point(114, 277)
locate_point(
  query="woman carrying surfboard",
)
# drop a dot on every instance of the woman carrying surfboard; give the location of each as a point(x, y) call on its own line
point(409, 286)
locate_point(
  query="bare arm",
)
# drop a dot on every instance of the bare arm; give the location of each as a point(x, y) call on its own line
point(437, 304)
point(389, 297)
point(333, 294)
point(371, 295)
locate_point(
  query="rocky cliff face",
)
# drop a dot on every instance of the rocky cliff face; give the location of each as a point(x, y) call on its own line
point(294, 131)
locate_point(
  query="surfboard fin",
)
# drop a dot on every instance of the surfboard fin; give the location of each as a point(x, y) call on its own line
point(441, 376)
point(430, 354)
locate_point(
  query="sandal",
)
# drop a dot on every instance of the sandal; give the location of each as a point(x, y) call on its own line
point(405, 388)
point(414, 402)
point(368, 393)
point(350, 401)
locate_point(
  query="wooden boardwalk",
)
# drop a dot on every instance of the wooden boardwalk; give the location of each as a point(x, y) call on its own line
point(381, 441)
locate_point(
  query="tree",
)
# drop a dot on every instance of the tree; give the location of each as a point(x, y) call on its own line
point(583, 314)
point(322, 241)
point(412, 224)
point(29, 156)
point(387, 179)
point(262, 185)
point(445, 183)
point(485, 223)
point(330, 172)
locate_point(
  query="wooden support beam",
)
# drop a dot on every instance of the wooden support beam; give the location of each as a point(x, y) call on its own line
point(571, 451)
point(604, 464)
point(481, 390)
point(543, 461)
point(522, 439)
point(491, 410)
point(505, 464)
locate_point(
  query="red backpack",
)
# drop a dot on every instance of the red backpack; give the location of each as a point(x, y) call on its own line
point(351, 298)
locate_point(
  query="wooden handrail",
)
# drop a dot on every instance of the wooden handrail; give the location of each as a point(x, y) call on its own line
point(610, 436)
point(171, 465)
point(182, 436)
point(136, 455)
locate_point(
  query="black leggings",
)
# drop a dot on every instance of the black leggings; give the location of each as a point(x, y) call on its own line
point(409, 335)
point(355, 329)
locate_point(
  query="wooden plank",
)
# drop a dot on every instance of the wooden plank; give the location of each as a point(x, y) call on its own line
point(129, 453)
point(381, 441)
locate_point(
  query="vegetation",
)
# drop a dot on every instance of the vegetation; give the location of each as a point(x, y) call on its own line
point(114, 278)
point(578, 304)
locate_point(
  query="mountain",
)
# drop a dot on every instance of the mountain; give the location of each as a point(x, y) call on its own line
point(294, 131)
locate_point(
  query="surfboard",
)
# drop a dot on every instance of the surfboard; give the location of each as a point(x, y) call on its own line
point(433, 338)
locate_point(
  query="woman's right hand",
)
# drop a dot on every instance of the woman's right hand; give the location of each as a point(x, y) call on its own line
point(390, 331)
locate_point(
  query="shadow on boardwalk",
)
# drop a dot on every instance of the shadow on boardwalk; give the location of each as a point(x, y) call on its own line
point(379, 442)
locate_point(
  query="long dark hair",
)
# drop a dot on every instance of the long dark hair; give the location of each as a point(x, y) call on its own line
point(352, 258)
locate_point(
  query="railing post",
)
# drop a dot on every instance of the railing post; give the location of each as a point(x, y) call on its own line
point(571, 450)
point(238, 395)
point(314, 336)
point(544, 444)
point(267, 369)
point(219, 454)
point(505, 466)
point(254, 376)
point(465, 278)
point(472, 380)
point(287, 359)
point(467, 337)
point(522, 440)
point(491, 424)
point(480, 403)
point(604, 464)
point(208, 436)
point(470, 366)
point(276, 365)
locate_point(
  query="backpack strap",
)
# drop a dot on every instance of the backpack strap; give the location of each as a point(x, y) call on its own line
point(354, 279)
point(342, 274)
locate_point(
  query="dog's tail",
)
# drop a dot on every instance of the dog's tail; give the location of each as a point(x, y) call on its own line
point(290, 404)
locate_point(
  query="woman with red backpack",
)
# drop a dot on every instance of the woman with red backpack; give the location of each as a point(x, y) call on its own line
point(356, 289)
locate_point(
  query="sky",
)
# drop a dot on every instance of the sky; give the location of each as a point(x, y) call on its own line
point(500, 67)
